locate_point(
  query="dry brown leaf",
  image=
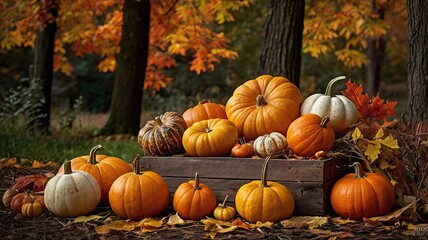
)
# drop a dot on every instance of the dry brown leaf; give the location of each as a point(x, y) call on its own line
point(331, 234)
point(212, 234)
point(259, 224)
point(341, 221)
point(7, 162)
point(312, 222)
point(240, 224)
point(176, 220)
point(103, 229)
point(390, 217)
point(81, 219)
point(215, 221)
point(122, 225)
point(227, 230)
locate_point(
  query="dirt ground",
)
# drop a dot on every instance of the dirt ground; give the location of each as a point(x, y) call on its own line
point(47, 226)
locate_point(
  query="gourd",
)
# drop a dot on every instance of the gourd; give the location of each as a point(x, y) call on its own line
point(72, 193)
point(242, 149)
point(264, 105)
point(137, 195)
point(194, 200)
point(309, 134)
point(262, 200)
point(22, 198)
point(340, 109)
point(362, 195)
point(104, 168)
point(270, 143)
point(210, 138)
point(224, 212)
point(203, 111)
point(32, 209)
point(163, 135)
point(8, 195)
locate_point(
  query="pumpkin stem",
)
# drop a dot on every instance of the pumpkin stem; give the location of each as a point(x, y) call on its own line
point(207, 130)
point(223, 205)
point(204, 101)
point(359, 171)
point(136, 164)
point(324, 122)
point(260, 101)
point(264, 171)
point(196, 186)
point(93, 154)
point(158, 120)
point(67, 167)
point(328, 90)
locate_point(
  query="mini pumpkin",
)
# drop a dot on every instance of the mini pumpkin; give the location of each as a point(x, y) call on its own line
point(242, 149)
point(32, 209)
point(362, 195)
point(137, 195)
point(203, 111)
point(194, 200)
point(269, 144)
point(224, 212)
point(8, 195)
point(163, 135)
point(22, 198)
point(309, 134)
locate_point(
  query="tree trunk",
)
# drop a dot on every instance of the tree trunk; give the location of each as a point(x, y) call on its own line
point(282, 49)
point(125, 107)
point(43, 70)
point(417, 78)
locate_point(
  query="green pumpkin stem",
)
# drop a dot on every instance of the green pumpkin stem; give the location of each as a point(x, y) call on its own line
point(223, 204)
point(204, 101)
point(67, 167)
point(359, 171)
point(136, 164)
point(328, 90)
point(196, 186)
point(260, 101)
point(324, 122)
point(264, 171)
point(93, 154)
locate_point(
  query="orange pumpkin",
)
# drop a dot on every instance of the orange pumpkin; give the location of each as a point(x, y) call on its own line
point(203, 111)
point(223, 212)
point(212, 137)
point(264, 105)
point(25, 197)
point(362, 195)
point(194, 200)
point(32, 209)
point(104, 168)
point(242, 149)
point(138, 195)
point(309, 134)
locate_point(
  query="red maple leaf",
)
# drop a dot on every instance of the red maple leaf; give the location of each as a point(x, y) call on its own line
point(35, 183)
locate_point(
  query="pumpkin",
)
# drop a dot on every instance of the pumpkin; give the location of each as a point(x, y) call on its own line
point(362, 195)
point(203, 111)
point(212, 137)
point(137, 195)
point(163, 135)
point(104, 168)
point(32, 209)
point(341, 111)
point(223, 212)
point(72, 193)
point(309, 134)
point(263, 200)
point(8, 195)
point(269, 144)
point(242, 149)
point(194, 200)
point(22, 198)
point(264, 105)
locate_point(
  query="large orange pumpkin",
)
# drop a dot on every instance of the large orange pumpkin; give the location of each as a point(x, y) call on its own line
point(362, 195)
point(309, 134)
point(264, 105)
point(138, 195)
point(203, 111)
point(104, 168)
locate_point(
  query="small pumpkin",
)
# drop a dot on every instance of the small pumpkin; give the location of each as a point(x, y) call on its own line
point(104, 168)
point(137, 195)
point(210, 138)
point(203, 111)
point(264, 105)
point(263, 200)
point(362, 195)
point(32, 209)
point(72, 193)
point(242, 149)
point(223, 212)
point(269, 144)
point(163, 135)
point(309, 134)
point(8, 195)
point(194, 200)
point(341, 111)
point(22, 198)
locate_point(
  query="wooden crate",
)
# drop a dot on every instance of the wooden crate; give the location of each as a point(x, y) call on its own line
point(310, 181)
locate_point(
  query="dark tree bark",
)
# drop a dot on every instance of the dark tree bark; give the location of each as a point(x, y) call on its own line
point(282, 49)
point(125, 107)
point(417, 36)
point(43, 70)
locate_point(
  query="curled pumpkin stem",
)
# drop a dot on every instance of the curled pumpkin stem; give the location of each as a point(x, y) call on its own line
point(324, 122)
point(223, 205)
point(328, 91)
point(264, 171)
point(359, 171)
point(93, 154)
point(136, 164)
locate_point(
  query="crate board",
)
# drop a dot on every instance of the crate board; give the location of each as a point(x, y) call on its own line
point(310, 181)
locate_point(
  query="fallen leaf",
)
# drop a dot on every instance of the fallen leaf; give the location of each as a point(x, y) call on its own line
point(176, 220)
point(240, 224)
point(390, 217)
point(210, 226)
point(33, 182)
point(215, 221)
point(259, 224)
point(122, 225)
point(312, 222)
point(7, 162)
point(103, 229)
point(341, 221)
point(227, 230)
point(212, 234)
point(327, 233)
point(82, 219)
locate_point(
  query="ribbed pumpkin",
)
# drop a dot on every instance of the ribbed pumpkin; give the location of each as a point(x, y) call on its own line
point(224, 212)
point(362, 195)
point(137, 195)
point(309, 134)
point(32, 209)
point(269, 144)
point(194, 200)
point(25, 197)
point(264, 105)
point(203, 111)
point(341, 111)
point(263, 200)
point(104, 168)
point(242, 149)
point(210, 138)
point(163, 135)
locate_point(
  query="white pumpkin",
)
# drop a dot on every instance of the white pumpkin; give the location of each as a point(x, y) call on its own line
point(269, 144)
point(72, 194)
point(341, 111)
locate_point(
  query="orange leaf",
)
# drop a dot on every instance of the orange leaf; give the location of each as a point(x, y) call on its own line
point(240, 224)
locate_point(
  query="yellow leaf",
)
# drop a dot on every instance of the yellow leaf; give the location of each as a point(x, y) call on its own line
point(7, 162)
point(389, 217)
point(122, 225)
point(215, 221)
point(317, 222)
point(227, 230)
point(389, 141)
point(212, 234)
point(357, 134)
point(81, 219)
point(372, 152)
point(312, 222)
point(261, 224)
point(379, 134)
point(176, 220)
point(210, 226)
point(103, 229)
point(37, 164)
point(340, 221)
